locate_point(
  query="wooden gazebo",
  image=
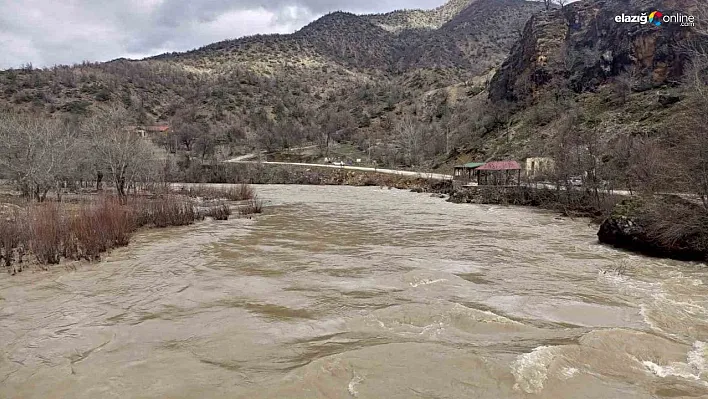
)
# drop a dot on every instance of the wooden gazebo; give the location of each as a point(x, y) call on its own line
point(464, 174)
point(499, 173)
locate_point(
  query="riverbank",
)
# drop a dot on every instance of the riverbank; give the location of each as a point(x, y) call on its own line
point(659, 226)
point(667, 226)
point(259, 173)
point(573, 203)
point(599, 207)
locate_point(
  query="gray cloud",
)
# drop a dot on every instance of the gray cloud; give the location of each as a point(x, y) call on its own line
point(48, 32)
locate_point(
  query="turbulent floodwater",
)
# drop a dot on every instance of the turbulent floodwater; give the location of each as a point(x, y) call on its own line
point(343, 292)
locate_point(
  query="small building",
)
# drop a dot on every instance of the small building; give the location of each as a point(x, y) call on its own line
point(467, 173)
point(539, 166)
point(499, 173)
point(159, 128)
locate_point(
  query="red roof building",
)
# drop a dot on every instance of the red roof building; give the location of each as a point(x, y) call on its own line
point(499, 173)
point(158, 128)
point(500, 165)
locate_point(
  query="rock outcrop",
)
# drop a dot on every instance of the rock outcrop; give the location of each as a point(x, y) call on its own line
point(582, 47)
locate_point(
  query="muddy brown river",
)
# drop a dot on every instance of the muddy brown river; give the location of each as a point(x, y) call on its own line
point(344, 292)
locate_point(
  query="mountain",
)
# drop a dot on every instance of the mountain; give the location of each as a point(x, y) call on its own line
point(576, 78)
point(358, 75)
point(402, 20)
point(470, 80)
point(468, 34)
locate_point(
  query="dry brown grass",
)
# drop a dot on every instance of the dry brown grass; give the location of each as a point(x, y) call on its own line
point(165, 211)
point(254, 205)
point(238, 192)
point(12, 242)
point(219, 212)
point(51, 232)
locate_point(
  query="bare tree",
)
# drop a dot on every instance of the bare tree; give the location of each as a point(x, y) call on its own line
point(329, 124)
point(123, 154)
point(550, 3)
point(36, 152)
point(648, 164)
point(692, 149)
point(410, 137)
point(702, 11)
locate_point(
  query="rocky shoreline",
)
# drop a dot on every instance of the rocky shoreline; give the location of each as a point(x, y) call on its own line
point(666, 228)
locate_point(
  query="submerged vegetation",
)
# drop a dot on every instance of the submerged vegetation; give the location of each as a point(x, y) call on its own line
point(47, 233)
point(240, 192)
point(254, 205)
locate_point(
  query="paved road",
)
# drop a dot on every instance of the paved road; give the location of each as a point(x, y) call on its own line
point(434, 176)
point(423, 175)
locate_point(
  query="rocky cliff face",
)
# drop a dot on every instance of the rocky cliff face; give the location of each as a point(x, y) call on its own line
point(582, 46)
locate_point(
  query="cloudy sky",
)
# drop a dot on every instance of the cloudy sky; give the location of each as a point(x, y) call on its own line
point(49, 32)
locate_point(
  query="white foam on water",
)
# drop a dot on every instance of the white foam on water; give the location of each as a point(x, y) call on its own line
point(643, 311)
point(568, 372)
point(695, 368)
point(627, 285)
point(418, 283)
point(698, 358)
point(433, 329)
point(656, 299)
point(531, 369)
point(352, 385)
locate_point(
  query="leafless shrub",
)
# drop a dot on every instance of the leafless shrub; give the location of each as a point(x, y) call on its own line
point(166, 211)
point(96, 228)
point(51, 232)
point(13, 238)
point(232, 193)
point(47, 229)
point(677, 224)
point(219, 212)
point(254, 205)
